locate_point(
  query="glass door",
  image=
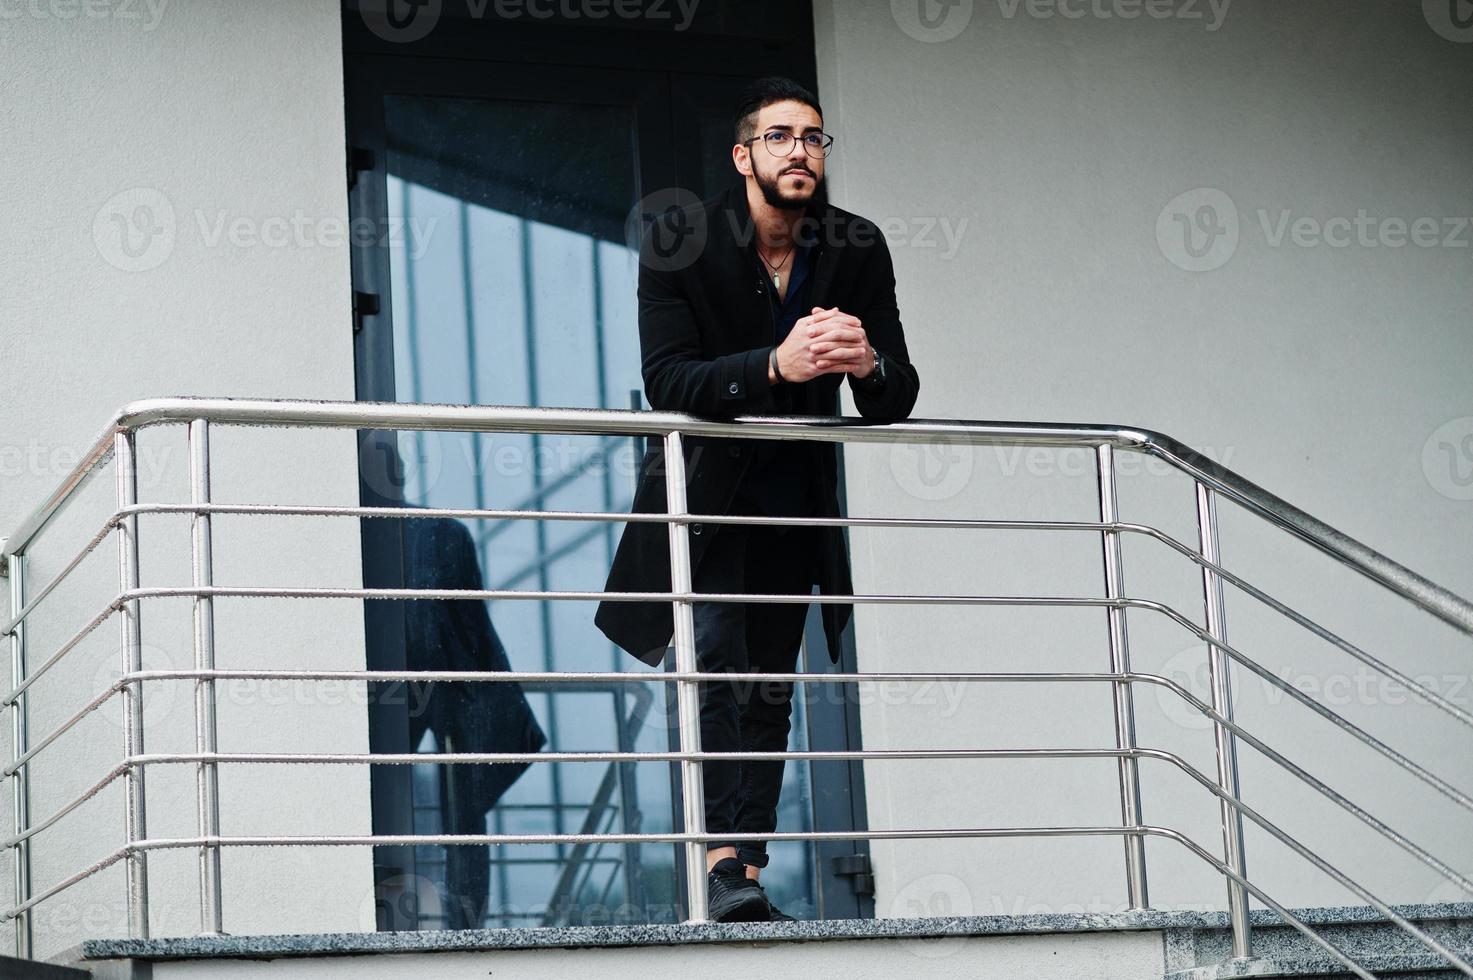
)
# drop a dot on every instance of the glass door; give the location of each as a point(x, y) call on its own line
point(509, 196)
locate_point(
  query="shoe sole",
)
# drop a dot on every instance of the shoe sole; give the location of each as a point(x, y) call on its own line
point(751, 910)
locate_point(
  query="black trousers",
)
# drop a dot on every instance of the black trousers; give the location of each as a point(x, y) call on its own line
point(742, 796)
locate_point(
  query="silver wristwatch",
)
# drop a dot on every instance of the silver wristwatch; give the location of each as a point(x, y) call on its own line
point(876, 377)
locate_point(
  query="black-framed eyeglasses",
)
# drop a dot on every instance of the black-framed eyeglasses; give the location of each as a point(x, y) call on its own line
point(780, 144)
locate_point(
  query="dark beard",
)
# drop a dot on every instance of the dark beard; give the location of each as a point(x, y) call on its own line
point(773, 195)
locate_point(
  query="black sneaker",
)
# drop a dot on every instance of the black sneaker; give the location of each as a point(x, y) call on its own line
point(732, 896)
point(775, 914)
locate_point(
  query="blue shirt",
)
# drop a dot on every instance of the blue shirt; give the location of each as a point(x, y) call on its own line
point(780, 480)
point(789, 311)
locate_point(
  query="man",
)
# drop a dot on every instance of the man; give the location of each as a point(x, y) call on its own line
point(781, 298)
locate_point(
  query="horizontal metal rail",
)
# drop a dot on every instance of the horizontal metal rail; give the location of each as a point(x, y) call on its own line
point(1381, 748)
point(688, 837)
point(553, 678)
point(481, 513)
point(1210, 478)
point(18, 616)
point(71, 644)
point(1375, 663)
point(1370, 563)
point(877, 754)
point(668, 756)
point(1417, 851)
point(403, 513)
point(1375, 566)
point(1398, 758)
point(526, 678)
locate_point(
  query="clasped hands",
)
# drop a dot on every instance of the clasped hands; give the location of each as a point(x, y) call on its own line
point(824, 342)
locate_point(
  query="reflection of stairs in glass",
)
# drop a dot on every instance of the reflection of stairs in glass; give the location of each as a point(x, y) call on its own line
point(602, 817)
point(1143, 945)
point(614, 797)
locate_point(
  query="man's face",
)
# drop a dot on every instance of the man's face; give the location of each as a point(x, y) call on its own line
point(787, 182)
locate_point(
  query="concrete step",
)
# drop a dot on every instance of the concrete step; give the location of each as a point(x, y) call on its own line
point(1377, 944)
point(1132, 945)
point(1402, 967)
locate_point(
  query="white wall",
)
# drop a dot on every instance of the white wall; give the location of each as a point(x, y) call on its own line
point(184, 119)
point(1322, 373)
point(1334, 376)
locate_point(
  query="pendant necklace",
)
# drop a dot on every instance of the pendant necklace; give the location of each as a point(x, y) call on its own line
point(777, 279)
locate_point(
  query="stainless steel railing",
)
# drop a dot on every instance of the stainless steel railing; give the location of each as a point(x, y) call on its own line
point(1211, 482)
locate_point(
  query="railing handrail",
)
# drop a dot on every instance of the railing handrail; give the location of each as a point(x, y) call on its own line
point(1210, 479)
point(1370, 563)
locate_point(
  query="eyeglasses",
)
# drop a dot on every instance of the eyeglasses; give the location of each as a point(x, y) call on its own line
point(780, 144)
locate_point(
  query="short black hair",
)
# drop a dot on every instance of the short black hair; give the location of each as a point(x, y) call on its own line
point(764, 92)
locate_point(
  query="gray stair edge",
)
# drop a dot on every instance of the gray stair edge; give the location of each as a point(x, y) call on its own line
point(1428, 964)
point(319, 944)
point(1195, 947)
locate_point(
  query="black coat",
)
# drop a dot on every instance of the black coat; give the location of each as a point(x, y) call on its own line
point(705, 330)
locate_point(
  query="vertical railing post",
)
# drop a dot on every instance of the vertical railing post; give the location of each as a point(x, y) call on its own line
point(1222, 703)
point(134, 823)
point(687, 692)
point(20, 741)
point(1130, 785)
point(205, 731)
